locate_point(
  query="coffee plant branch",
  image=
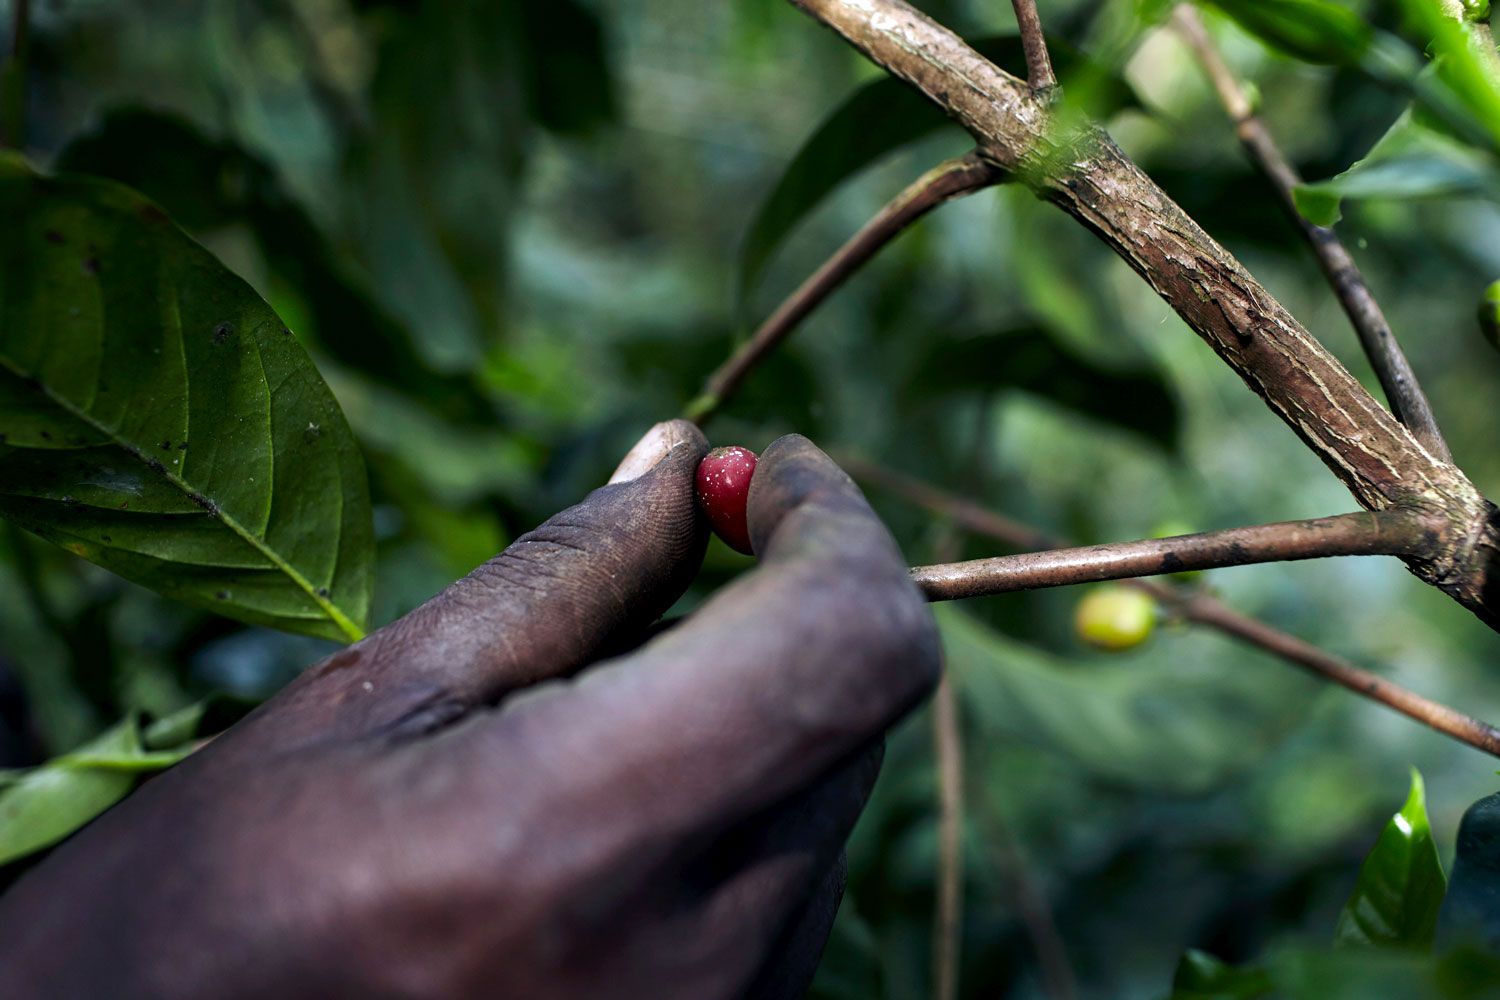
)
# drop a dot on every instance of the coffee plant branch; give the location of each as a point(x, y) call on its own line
point(1194, 606)
point(1395, 532)
point(953, 179)
point(1402, 390)
point(1038, 64)
point(1080, 169)
point(1204, 610)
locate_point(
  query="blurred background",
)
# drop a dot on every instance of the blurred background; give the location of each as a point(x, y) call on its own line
point(511, 235)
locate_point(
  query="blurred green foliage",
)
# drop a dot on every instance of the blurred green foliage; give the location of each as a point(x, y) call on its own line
point(510, 234)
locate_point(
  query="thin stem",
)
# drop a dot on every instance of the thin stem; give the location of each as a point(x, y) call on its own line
point(948, 752)
point(965, 513)
point(1038, 64)
point(1058, 981)
point(947, 928)
point(1402, 390)
point(1199, 608)
point(1393, 532)
point(13, 80)
point(945, 182)
point(1466, 729)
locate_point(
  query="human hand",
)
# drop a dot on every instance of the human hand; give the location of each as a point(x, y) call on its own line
point(444, 809)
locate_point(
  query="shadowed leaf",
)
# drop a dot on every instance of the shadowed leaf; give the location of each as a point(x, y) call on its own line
point(176, 432)
point(1029, 360)
point(881, 117)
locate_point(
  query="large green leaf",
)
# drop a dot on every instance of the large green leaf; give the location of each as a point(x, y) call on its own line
point(1029, 360)
point(1318, 31)
point(207, 182)
point(430, 195)
point(1401, 885)
point(883, 116)
point(170, 427)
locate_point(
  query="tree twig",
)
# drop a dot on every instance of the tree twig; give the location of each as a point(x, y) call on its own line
point(1402, 390)
point(1058, 981)
point(1464, 728)
point(1393, 532)
point(1196, 607)
point(947, 181)
point(947, 928)
point(1038, 64)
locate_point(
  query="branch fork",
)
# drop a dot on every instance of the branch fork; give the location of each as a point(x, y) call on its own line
point(1377, 458)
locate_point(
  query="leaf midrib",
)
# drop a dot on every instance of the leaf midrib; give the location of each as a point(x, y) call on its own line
point(212, 509)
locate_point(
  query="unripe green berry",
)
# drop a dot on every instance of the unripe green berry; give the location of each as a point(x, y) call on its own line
point(1489, 315)
point(1115, 618)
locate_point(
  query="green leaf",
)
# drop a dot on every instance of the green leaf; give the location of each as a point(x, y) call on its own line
point(1030, 360)
point(570, 85)
point(1409, 162)
point(173, 430)
point(1402, 178)
point(1316, 31)
point(430, 195)
point(41, 806)
point(881, 117)
point(1462, 68)
point(1201, 976)
point(210, 715)
point(209, 182)
point(1401, 885)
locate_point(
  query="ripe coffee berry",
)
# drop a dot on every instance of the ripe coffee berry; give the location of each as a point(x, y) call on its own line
point(723, 490)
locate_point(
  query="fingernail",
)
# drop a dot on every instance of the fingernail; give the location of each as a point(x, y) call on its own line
point(648, 452)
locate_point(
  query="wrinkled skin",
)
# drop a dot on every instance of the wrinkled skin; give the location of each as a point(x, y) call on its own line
point(446, 810)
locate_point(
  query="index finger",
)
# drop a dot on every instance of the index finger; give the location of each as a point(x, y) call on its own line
point(776, 679)
point(555, 599)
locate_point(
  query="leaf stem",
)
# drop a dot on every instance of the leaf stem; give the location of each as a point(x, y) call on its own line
point(1402, 390)
point(944, 182)
point(1198, 608)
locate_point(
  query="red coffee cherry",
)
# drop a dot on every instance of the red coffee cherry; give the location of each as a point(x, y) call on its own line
point(723, 489)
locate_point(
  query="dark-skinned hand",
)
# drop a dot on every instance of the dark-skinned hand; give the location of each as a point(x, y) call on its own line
point(450, 808)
